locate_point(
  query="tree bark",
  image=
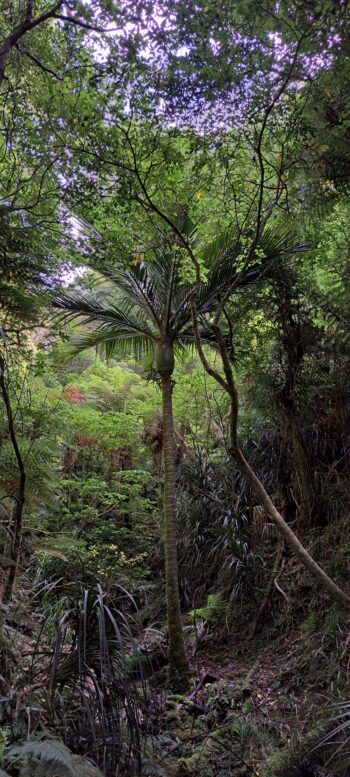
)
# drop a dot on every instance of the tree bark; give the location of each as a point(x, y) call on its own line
point(178, 666)
point(28, 23)
point(302, 471)
point(228, 383)
point(17, 516)
point(293, 339)
point(264, 499)
point(284, 529)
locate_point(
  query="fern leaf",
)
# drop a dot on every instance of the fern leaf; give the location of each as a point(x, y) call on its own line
point(51, 755)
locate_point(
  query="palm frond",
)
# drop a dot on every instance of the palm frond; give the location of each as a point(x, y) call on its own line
point(146, 285)
point(210, 252)
point(225, 269)
point(111, 342)
point(119, 329)
point(144, 301)
point(278, 243)
point(138, 287)
point(119, 313)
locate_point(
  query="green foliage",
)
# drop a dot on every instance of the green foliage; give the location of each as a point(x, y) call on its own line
point(135, 309)
point(90, 496)
point(47, 757)
point(297, 755)
point(336, 743)
point(123, 152)
point(88, 695)
point(309, 625)
point(214, 547)
point(114, 519)
point(3, 743)
point(23, 260)
point(214, 611)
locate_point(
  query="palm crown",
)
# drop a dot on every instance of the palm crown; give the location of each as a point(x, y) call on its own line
point(142, 305)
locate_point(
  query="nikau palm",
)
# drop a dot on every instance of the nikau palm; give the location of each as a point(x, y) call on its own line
point(145, 308)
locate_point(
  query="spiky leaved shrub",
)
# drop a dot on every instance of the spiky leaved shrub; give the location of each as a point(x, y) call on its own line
point(336, 743)
point(88, 690)
point(3, 741)
point(213, 510)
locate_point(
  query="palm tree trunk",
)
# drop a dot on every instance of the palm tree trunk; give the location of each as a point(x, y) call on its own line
point(178, 666)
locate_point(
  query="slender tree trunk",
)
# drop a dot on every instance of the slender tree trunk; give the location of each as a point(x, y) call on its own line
point(302, 471)
point(284, 529)
point(266, 502)
point(178, 673)
point(228, 383)
point(17, 515)
point(293, 350)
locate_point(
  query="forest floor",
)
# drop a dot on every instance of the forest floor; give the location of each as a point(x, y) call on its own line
point(262, 701)
point(257, 705)
point(258, 709)
point(262, 693)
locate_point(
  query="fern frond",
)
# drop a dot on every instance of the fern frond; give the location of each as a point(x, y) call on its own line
point(52, 755)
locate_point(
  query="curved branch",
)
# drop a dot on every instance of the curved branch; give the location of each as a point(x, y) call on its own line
point(336, 593)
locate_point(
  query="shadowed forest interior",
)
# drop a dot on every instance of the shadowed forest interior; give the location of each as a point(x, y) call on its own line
point(174, 388)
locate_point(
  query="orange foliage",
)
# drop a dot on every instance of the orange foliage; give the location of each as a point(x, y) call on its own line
point(72, 394)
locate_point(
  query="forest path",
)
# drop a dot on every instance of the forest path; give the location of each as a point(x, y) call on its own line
point(252, 702)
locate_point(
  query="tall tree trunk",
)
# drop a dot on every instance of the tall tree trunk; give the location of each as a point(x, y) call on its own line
point(303, 475)
point(178, 667)
point(294, 325)
point(19, 499)
point(284, 529)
